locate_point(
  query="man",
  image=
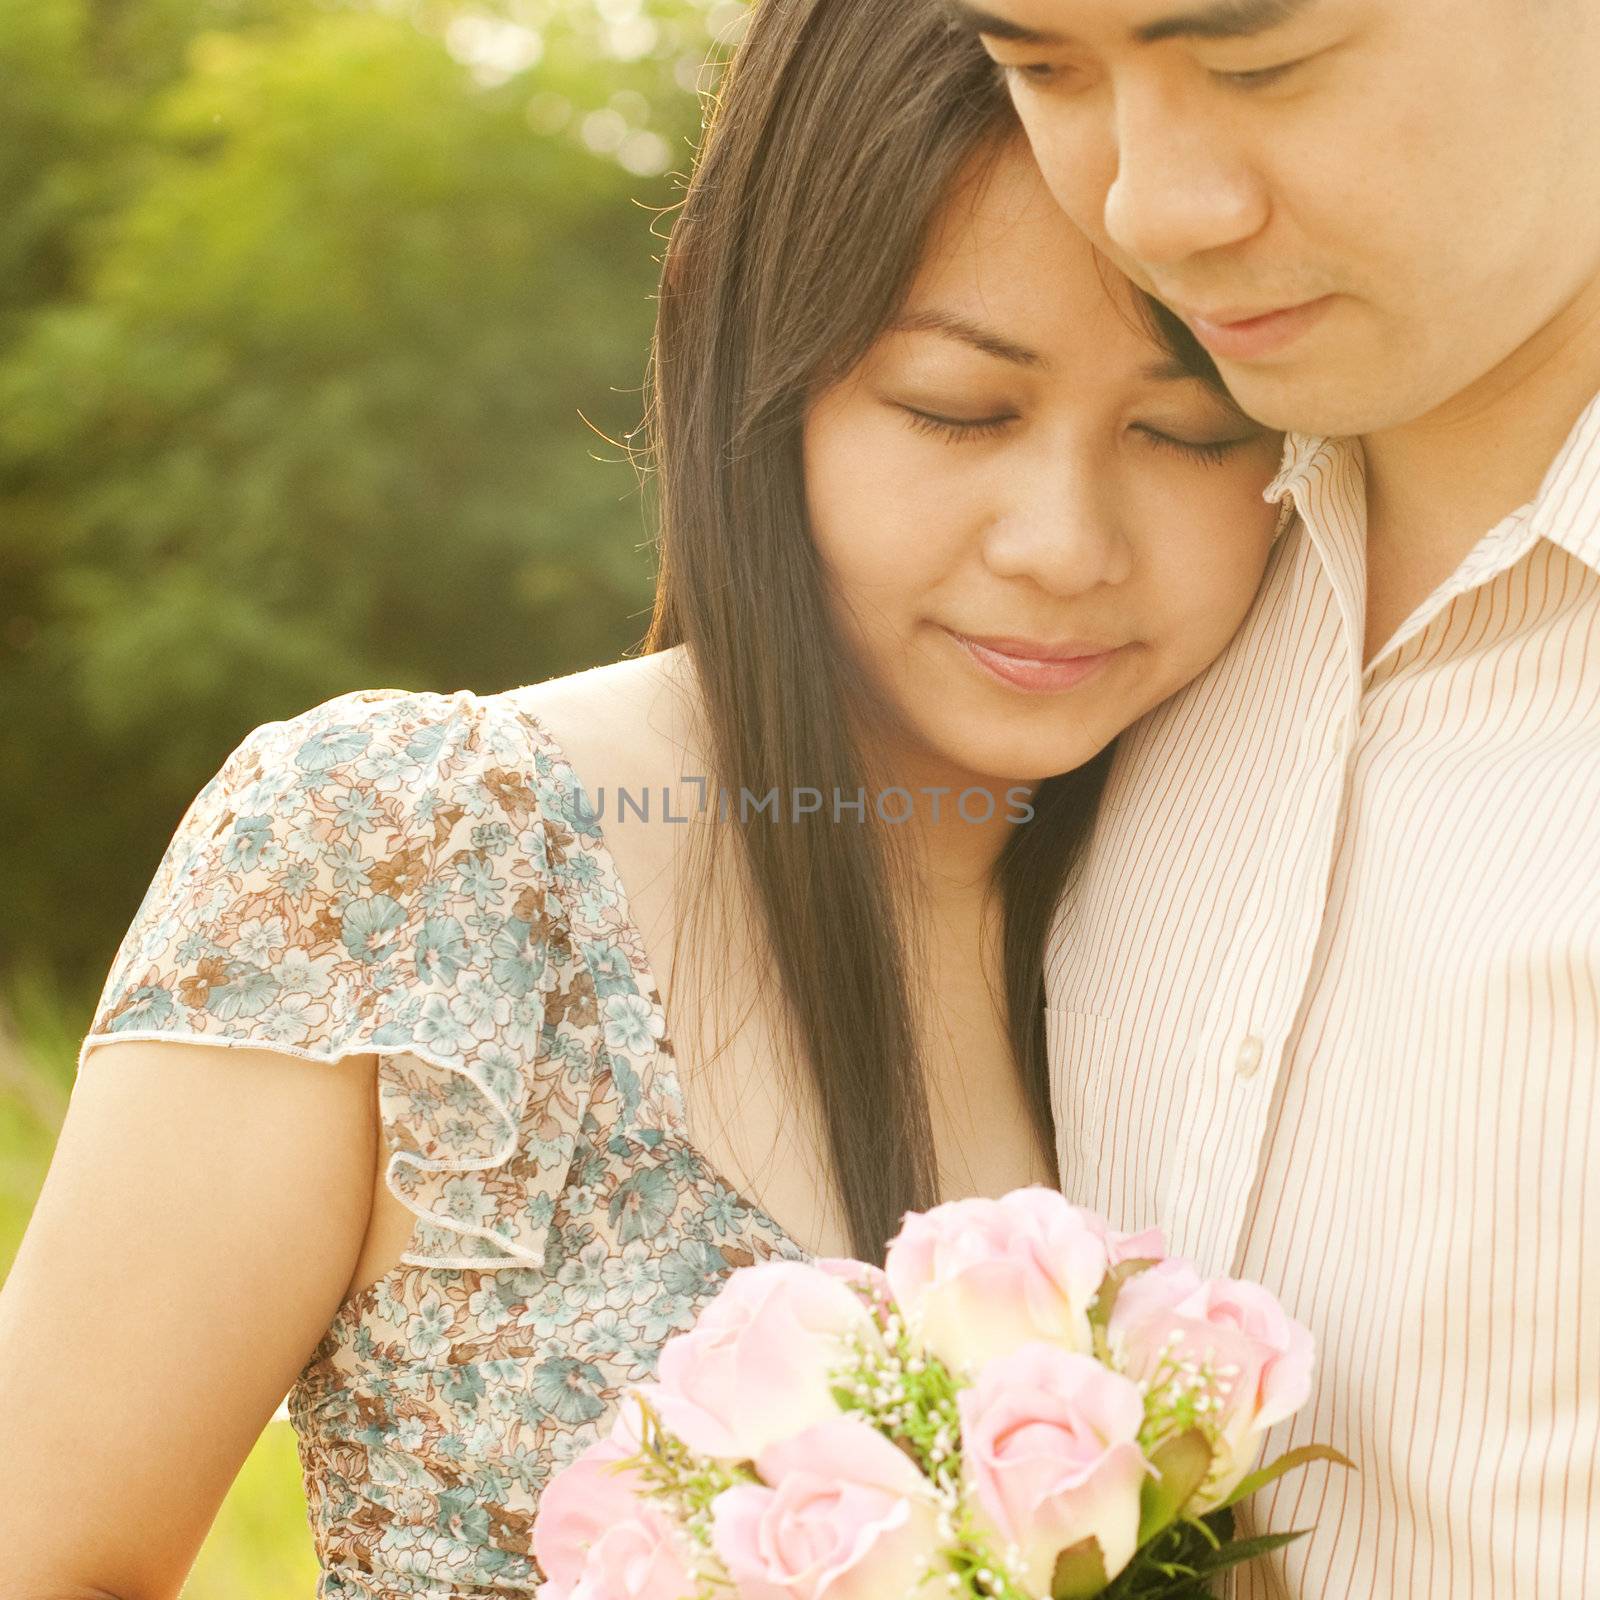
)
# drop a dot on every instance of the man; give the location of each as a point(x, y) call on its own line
point(1325, 998)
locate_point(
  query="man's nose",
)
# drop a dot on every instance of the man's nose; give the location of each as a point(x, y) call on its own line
point(1182, 188)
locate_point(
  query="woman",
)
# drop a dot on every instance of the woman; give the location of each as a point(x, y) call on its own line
point(382, 1099)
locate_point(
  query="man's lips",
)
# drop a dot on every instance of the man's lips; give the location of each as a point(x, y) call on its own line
point(1240, 334)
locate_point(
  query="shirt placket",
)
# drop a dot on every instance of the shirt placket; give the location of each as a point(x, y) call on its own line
point(1240, 1041)
point(1241, 1048)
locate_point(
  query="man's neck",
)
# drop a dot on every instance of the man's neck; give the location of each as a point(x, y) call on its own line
point(1437, 485)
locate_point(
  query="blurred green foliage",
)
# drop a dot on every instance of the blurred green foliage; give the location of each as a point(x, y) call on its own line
point(318, 321)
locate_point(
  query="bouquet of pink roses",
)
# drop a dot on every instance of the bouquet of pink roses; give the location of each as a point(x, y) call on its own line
point(1022, 1404)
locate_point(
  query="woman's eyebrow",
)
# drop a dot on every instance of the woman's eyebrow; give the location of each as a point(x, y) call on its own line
point(969, 333)
point(1170, 369)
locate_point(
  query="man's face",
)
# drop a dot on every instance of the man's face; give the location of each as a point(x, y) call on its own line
point(1367, 210)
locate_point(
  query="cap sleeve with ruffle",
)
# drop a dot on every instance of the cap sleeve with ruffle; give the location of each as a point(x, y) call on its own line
point(371, 876)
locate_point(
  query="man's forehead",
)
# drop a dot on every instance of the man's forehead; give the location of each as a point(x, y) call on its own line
point(1047, 22)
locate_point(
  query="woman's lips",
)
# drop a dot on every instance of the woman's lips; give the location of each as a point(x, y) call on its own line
point(1239, 336)
point(1009, 661)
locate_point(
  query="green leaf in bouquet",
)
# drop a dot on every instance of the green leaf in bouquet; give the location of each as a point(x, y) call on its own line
point(1214, 1529)
point(1239, 1551)
point(907, 1396)
point(1286, 1463)
point(1080, 1571)
point(1181, 1465)
point(672, 1472)
point(1182, 1561)
point(1105, 1303)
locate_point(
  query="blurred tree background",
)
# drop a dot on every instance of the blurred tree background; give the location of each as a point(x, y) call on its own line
point(320, 321)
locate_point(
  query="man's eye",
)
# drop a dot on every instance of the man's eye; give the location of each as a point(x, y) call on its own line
point(1039, 74)
point(1258, 77)
point(1034, 72)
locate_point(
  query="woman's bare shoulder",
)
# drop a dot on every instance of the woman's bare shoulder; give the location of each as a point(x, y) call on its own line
point(626, 722)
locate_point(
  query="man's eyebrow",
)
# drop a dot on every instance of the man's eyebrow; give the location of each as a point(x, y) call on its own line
point(991, 26)
point(1226, 19)
point(970, 333)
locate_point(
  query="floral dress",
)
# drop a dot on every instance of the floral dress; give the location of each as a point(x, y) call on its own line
point(420, 876)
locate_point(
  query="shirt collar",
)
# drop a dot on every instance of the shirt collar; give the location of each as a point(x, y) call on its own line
point(1324, 481)
point(1566, 510)
point(1304, 455)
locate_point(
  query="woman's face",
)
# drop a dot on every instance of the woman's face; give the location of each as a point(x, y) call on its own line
point(1034, 526)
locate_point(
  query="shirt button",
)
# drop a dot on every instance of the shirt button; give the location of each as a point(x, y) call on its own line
point(1337, 734)
point(1248, 1061)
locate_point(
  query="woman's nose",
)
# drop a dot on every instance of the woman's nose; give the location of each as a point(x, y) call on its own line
point(1060, 529)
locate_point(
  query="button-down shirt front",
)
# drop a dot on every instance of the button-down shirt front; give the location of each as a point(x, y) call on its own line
point(1324, 1003)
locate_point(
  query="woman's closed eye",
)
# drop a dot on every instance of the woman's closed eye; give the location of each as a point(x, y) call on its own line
point(961, 430)
point(1212, 452)
point(956, 429)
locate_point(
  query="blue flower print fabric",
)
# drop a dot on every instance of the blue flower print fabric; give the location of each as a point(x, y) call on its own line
point(418, 876)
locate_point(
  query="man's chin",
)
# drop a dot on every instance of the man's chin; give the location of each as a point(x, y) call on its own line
point(1297, 398)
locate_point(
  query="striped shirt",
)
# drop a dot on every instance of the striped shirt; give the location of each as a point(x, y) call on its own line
point(1324, 1003)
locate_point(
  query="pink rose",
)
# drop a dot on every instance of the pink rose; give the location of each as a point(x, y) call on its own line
point(760, 1364)
point(977, 1279)
point(860, 1275)
point(1260, 1355)
point(595, 1538)
point(841, 1515)
point(1051, 1453)
point(1149, 1245)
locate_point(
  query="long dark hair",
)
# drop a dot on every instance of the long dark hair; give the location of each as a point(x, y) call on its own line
point(838, 130)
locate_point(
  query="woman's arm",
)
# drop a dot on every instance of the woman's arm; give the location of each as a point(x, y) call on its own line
point(199, 1225)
